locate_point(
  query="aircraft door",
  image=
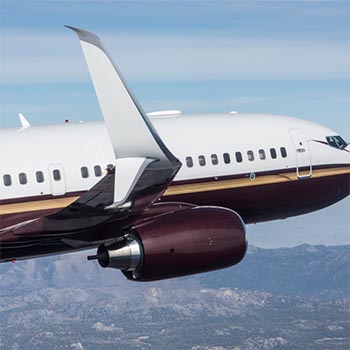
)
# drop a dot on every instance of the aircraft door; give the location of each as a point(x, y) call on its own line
point(57, 179)
point(303, 154)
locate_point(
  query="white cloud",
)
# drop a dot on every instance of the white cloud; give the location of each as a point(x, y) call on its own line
point(42, 58)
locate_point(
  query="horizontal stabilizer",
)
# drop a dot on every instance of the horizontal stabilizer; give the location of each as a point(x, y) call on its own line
point(168, 113)
point(24, 122)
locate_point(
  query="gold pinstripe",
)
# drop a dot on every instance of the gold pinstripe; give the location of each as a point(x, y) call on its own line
point(259, 180)
point(46, 204)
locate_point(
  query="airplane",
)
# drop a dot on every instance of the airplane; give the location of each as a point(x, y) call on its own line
point(159, 195)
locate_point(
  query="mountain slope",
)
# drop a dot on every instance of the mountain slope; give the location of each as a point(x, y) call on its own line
point(302, 270)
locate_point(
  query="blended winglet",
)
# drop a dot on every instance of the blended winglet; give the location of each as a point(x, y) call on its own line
point(131, 132)
point(85, 35)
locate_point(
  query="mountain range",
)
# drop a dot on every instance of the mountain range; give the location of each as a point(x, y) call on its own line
point(307, 270)
point(290, 298)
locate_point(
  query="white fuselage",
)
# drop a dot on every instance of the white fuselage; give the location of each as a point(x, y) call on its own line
point(204, 138)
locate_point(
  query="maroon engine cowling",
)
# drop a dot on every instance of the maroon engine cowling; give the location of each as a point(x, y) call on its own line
point(186, 242)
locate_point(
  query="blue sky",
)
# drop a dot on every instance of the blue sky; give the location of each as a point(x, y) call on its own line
point(277, 56)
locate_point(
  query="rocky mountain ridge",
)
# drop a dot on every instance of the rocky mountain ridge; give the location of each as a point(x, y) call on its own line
point(292, 298)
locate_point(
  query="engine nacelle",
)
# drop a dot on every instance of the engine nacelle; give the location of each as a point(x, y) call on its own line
point(186, 242)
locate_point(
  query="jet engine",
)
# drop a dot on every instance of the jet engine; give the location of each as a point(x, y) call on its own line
point(185, 242)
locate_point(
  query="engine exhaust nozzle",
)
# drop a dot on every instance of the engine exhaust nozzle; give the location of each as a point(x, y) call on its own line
point(125, 255)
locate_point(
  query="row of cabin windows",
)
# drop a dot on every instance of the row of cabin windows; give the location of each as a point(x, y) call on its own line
point(238, 156)
point(23, 180)
point(56, 175)
point(85, 171)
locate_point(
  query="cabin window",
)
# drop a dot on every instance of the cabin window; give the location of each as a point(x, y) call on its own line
point(262, 154)
point(214, 159)
point(84, 172)
point(283, 152)
point(110, 166)
point(7, 180)
point(39, 176)
point(227, 158)
point(250, 155)
point(22, 177)
point(56, 175)
point(97, 171)
point(239, 157)
point(189, 162)
point(273, 153)
point(201, 160)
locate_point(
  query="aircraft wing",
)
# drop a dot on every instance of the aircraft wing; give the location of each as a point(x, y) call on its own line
point(143, 169)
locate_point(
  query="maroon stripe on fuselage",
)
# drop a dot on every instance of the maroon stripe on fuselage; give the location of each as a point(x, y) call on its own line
point(274, 201)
